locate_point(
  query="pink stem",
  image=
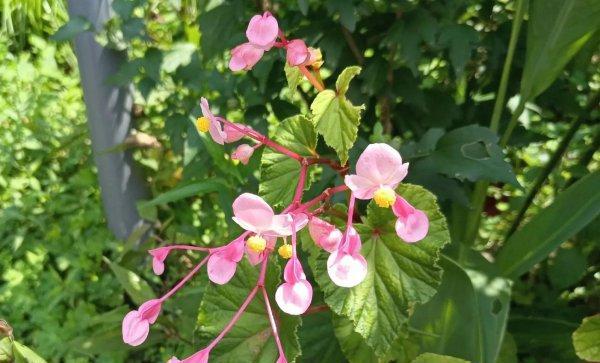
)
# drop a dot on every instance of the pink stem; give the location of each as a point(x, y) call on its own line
point(301, 182)
point(320, 87)
point(350, 211)
point(262, 139)
point(235, 318)
point(186, 247)
point(273, 323)
point(327, 193)
point(185, 279)
point(293, 238)
point(263, 271)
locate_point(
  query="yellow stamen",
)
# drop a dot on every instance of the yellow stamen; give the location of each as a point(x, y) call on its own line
point(256, 244)
point(384, 197)
point(285, 251)
point(202, 124)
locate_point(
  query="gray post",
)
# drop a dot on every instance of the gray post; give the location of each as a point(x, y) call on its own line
point(109, 119)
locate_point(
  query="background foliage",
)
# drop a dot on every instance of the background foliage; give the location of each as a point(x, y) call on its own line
point(431, 71)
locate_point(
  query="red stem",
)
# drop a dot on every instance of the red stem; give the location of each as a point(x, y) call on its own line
point(184, 280)
point(327, 193)
point(300, 185)
point(320, 87)
point(272, 321)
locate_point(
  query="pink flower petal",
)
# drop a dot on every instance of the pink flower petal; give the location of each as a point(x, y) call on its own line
point(262, 30)
point(174, 360)
point(293, 271)
point(220, 270)
point(351, 244)
point(252, 213)
point(325, 234)
point(245, 56)
point(150, 310)
point(281, 359)
point(243, 153)
point(346, 270)
point(382, 165)
point(362, 188)
point(215, 128)
point(297, 52)
point(135, 329)
point(412, 224)
point(282, 224)
point(294, 298)
point(232, 134)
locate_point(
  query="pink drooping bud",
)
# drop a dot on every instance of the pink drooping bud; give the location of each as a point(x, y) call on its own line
point(222, 263)
point(243, 153)
point(325, 234)
point(158, 259)
point(295, 295)
point(245, 56)
point(412, 224)
point(297, 52)
point(262, 30)
point(136, 324)
point(346, 266)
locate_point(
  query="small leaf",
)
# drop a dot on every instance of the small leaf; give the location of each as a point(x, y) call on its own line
point(400, 275)
point(280, 173)
point(586, 339)
point(71, 29)
point(435, 358)
point(343, 80)
point(134, 285)
point(572, 210)
point(186, 191)
point(293, 76)
point(6, 351)
point(179, 55)
point(23, 354)
point(251, 336)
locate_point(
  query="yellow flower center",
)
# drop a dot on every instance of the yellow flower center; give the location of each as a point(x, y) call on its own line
point(202, 124)
point(256, 244)
point(285, 251)
point(385, 197)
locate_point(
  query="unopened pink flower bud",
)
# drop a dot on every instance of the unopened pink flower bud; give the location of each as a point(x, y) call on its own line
point(243, 153)
point(297, 52)
point(325, 234)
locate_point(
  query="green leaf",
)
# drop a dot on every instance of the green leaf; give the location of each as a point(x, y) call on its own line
point(250, 339)
point(352, 344)
point(472, 153)
point(335, 117)
point(586, 339)
point(293, 76)
point(214, 24)
point(6, 351)
point(280, 173)
point(179, 55)
point(186, 191)
point(467, 317)
point(556, 31)
point(508, 350)
point(71, 29)
point(567, 267)
point(460, 40)
point(319, 344)
point(572, 210)
point(23, 354)
point(435, 358)
point(400, 275)
point(134, 285)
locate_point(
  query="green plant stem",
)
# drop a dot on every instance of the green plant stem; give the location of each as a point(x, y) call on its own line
point(512, 45)
point(480, 190)
point(539, 182)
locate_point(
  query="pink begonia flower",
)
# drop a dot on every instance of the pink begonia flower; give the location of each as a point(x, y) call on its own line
point(219, 133)
point(325, 234)
point(222, 263)
point(262, 30)
point(253, 214)
point(136, 324)
point(297, 52)
point(243, 153)
point(245, 56)
point(295, 295)
point(346, 266)
point(198, 357)
point(412, 224)
point(379, 170)
point(257, 257)
point(158, 259)
point(281, 359)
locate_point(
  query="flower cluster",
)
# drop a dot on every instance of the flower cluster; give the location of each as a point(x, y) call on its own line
point(379, 171)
